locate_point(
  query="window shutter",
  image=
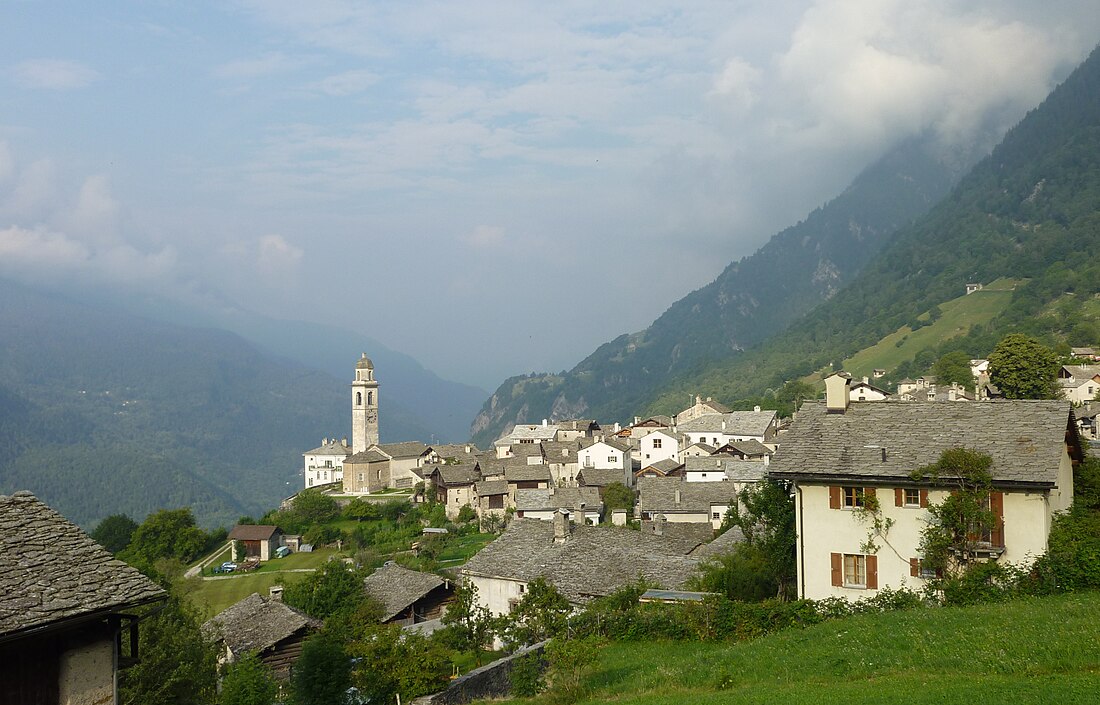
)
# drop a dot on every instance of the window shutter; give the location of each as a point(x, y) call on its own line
point(924, 498)
point(837, 565)
point(899, 496)
point(834, 499)
point(872, 572)
point(997, 505)
point(914, 567)
point(870, 492)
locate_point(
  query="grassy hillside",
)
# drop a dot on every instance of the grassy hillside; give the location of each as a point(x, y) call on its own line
point(1040, 650)
point(958, 317)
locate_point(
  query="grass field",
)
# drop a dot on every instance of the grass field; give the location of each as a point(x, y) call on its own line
point(958, 316)
point(1039, 650)
point(216, 595)
point(460, 550)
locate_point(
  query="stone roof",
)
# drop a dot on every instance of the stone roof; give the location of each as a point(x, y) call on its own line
point(560, 451)
point(364, 363)
point(526, 431)
point(371, 455)
point(462, 474)
point(330, 446)
point(737, 423)
point(527, 450)
point(1025, 438)
point(559, 498)
point(722, 544)
point(733, 468)
point(487, 488)
point(408, 449)
point(252, 532)
point(526, 473)
point(592, 561)
point(456, 450)
point(600, 477)
point(749, 447)
point(614, 443)
point(578, 424)
point(256, 623)
point(51, 571)
point(664, 466)
point(658, 494)
point(704, 447)
point(395, 587)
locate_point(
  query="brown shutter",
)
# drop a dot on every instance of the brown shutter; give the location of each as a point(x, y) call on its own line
point(924, 498)
point(872, 572)
point(899, 496)
point(834, 498)
point(870, 492)
point(997, 506)
point(838, 571)
point(914, 567)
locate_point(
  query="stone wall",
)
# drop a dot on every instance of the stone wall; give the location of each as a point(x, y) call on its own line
point(490, 681)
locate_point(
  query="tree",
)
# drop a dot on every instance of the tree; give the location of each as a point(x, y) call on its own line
point(360, 509)
point(1024, 368)
point(958, 526)
point(114, 532)
point(618, 496)
point(169, 533)
point(953, 368)
point(742, 575)
point(389, 662)
point(765, 515)
point(791, 395)
point(322, 674)
point(335, 587)
point(177, 666)
point(248, 682)
point(568, 661)
point(467, 625)
point(541, 614)
point(315, 507)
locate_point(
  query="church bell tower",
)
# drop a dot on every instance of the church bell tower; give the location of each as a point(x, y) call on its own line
point(364, 406)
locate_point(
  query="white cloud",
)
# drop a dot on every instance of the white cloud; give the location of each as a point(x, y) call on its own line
point(274, 253)
point(346, 83)
point(485, 236)
point(53, 74)
point(259, 66)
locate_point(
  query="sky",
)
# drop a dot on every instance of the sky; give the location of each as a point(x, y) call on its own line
point(493, 188)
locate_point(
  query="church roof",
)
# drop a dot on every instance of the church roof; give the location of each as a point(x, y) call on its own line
point(408, 449)
point(364, 363)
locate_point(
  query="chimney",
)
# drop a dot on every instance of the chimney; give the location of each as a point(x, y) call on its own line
point(756, 409)
point(659, 525)
point(580, 515)
point(677, 497)
point(723, 425)
point(866, 381)
point(276, 593)
point(837, 387)
point(561, 526)
point(544, 423)
point(345, 441)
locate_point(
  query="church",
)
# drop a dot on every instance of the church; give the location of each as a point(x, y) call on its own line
point(366, 465)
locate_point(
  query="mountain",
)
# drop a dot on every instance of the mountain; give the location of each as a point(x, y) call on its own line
point(103, 411)
point(751, 300)
point(1028, 214)
point(434, 409)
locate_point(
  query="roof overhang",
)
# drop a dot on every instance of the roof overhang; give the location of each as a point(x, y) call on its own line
point(895, 481)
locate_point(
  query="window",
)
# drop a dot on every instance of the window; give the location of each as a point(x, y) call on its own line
point(656, 443)
point(360, 477)
point(716, 515)
point(853, 497)
point(328, 463)
point(855, 570)
point(496, 501)
point(912, 497)
point(611, 459)
point(522, 588)
point(359, 399)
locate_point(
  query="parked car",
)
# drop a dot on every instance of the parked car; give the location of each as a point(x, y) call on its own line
point(228, 567)
point(282, 551)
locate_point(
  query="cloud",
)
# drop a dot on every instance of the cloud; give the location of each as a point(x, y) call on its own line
point(257, 67)
point(485, 236)
point(274, 253)
point(53, 74)
point(32, 253)
point(346, 83)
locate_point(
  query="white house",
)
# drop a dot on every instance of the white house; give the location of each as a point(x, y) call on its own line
point(325, 463)
point(719, 429)
point(607, 455)
point(1079, 383)
point(837, 453)
point(865, 391)
point(657, 446)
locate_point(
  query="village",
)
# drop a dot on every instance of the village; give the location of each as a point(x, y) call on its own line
point(590, 509)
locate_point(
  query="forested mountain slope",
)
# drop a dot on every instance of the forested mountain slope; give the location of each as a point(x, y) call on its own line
point(751, 300)
point(1028, 212)
point(104, 412)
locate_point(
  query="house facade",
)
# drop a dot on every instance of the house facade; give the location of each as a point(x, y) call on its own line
point(325, 463)
point(838, 456)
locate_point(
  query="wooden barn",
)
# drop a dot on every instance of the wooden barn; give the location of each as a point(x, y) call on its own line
point(265, 626)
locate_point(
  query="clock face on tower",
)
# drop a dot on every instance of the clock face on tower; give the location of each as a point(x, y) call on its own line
point(372, 415)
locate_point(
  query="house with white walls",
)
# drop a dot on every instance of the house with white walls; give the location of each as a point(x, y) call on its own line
point(837, 453)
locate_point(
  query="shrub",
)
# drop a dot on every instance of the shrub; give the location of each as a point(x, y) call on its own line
point(526, 675)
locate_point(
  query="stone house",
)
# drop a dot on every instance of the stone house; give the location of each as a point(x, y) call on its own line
point(701, 407)
point(408, 596)
point(576, 429)
point(66, 609)
point(492, 498)
point(661, 468)
point(582, 562)
point(258, 540)
point(454, 485)
point(837, 452)
point(582, 505)
point(560, 458)
point(385, 466)
point(679, 501)
point(264, 626)
point(719, 429)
